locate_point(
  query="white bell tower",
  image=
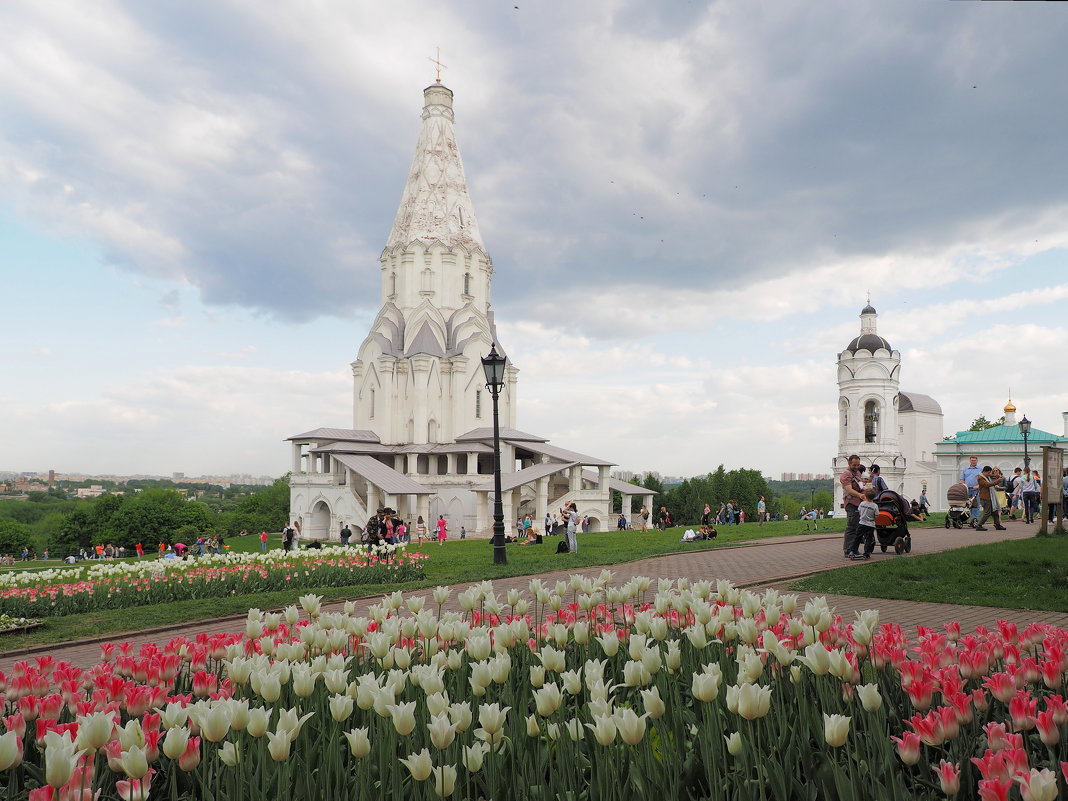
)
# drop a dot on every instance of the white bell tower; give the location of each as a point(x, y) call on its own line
point(868, 396)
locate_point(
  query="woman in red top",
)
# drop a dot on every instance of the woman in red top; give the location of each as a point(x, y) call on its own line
point(442, 528)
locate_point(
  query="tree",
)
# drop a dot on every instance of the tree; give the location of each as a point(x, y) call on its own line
point(980, 423)
point(14, 536)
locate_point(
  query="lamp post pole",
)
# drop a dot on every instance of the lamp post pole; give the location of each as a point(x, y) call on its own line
point(1025, 429)
point(494, 365)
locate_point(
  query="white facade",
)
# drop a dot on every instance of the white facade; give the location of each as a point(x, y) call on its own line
point(877, 421)
point(421, 441)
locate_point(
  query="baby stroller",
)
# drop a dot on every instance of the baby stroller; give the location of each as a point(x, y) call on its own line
point(960, 506)
point(892, 522)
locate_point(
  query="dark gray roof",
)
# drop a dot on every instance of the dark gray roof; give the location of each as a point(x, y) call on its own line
point(870, 342)
point(425, 342)
point(869, 309)
point(509, 481)
point(386, 478)
point(506, 433)
point(337, 435)
point(622, 487)
point(915, 402)
point(563, 454)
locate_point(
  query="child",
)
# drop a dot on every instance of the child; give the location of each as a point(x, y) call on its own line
point(866, 523)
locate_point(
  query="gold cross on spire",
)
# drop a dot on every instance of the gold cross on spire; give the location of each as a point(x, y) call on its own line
point(438, 66)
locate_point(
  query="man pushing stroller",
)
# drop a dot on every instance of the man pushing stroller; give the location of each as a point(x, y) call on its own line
point(989, 480)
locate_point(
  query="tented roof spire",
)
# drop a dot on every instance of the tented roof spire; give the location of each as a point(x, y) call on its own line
point(435, 206)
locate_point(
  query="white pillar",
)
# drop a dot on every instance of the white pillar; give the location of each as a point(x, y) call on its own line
point(575, 476)
point(296, 458)
point(541, 505)
point(625, 507)
point(472, 463)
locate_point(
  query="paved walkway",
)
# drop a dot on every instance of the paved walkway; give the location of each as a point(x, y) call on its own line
point(774, 562)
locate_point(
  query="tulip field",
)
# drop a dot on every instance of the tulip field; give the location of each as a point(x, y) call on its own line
point(115, 585)
point(581, 690)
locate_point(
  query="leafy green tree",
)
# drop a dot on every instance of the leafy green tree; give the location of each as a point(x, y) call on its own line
point(14, 536)
point(267, 510)
point(980, 423)
point(154, 516)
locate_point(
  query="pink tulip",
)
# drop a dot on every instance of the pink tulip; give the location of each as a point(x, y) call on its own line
point(15, 723)
point(1048, 730)
point(948, 774)
point(135, 789)
point(1056, 705)
point(920, 693)
point(995, 735)
point(1001, 685)
point(189, 760)
point(1022, 711)
point(995, 789)
point(908, 747)
point(42, 793)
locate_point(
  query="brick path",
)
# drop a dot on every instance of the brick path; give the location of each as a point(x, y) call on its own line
point(764, 563)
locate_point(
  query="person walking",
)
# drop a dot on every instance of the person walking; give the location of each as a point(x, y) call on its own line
point(853, 496)
point(346, 534)
point(442, 529)
point(970, 476)
point(263, 542)
point(1031, 489)
point(762, 511)
point(989, 479)
point(644, 515)
point(420, 530)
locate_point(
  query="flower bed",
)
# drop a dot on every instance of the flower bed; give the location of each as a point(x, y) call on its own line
point(583, 691)
point(10, 624)
point(113, 585)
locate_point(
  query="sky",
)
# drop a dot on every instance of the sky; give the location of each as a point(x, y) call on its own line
point(687, 205)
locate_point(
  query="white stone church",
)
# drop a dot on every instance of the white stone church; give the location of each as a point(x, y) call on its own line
point(879, 422)
point(422, 435)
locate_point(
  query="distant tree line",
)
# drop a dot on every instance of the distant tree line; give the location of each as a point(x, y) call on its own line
point(686, 501)
point(50, 520)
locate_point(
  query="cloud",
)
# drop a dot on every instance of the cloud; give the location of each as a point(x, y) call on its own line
point(256, 152)
point(183, 419)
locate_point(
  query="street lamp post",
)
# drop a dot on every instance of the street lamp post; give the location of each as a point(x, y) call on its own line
point(493, 364)
point(1025, 429)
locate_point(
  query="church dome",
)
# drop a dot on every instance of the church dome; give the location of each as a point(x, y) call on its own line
point(870, 342)
point(869, 309)
point(1009, 407)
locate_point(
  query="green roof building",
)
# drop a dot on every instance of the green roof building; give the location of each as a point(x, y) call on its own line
point(1000, 446)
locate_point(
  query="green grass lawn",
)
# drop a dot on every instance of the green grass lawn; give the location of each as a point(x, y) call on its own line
point(455, 562)
point(1023, 574)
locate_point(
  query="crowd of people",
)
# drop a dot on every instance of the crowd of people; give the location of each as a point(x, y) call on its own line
point(1022, 492)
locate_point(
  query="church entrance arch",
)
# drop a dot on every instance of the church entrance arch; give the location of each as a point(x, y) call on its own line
point(317, 522)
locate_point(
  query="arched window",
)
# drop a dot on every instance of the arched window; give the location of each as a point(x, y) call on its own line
point(871, 421)
point(371, 416)
point(467, 283)
point(393, 284)
point(478, 404)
